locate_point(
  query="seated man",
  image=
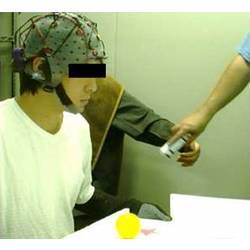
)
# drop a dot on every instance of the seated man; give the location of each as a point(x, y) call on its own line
point(45, 152)
point(111, 113)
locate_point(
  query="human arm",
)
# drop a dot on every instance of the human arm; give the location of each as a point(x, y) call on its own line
point(103, 204)
point(141, 123)
point(231, 83)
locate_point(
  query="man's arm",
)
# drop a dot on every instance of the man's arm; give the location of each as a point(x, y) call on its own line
point(103, 204)
point(140, 122)
point(232, 82)
point(143, 124)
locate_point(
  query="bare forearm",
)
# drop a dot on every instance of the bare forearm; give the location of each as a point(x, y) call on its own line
point(232, 82)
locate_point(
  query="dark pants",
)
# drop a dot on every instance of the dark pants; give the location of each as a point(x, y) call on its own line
point(82, 221)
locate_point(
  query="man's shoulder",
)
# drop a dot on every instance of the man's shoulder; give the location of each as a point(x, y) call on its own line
point(244, 48)
point(6, 106)
point(6, 103)
point(6, 117)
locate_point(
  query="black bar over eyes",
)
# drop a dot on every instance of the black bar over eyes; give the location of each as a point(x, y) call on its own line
point(87, 70)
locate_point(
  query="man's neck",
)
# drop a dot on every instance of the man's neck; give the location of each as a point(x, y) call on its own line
point(44, 109)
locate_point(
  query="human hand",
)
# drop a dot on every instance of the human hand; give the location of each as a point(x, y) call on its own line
point(190, 154)
point(192, 126)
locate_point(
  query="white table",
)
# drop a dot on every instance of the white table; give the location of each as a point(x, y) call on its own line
point(194, 217)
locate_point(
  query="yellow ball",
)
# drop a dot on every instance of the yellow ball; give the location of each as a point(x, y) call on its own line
point(128, 225)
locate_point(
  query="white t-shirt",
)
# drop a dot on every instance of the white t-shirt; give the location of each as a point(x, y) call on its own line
point(42, 175)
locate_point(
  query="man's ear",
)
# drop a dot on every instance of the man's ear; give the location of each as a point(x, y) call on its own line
point(36, 63)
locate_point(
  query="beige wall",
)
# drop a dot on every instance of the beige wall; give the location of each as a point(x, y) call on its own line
point(170, 61)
